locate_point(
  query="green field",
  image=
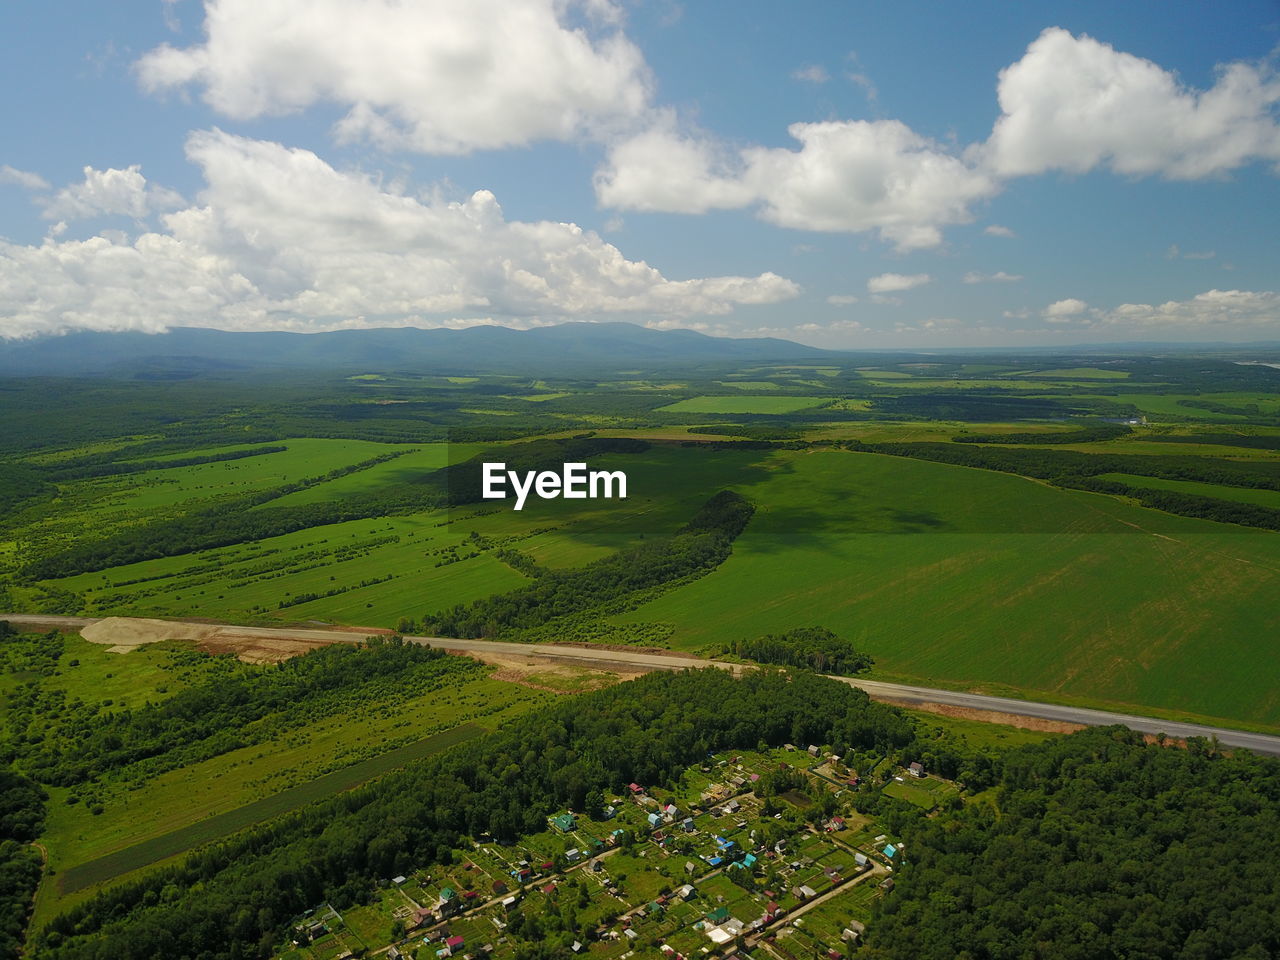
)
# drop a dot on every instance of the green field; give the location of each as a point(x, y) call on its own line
point(748, 404)
point(966, 578)
point(94, 872)
point(1262, 498)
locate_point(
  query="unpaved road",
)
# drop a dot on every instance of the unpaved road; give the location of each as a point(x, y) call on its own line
point(115, 631)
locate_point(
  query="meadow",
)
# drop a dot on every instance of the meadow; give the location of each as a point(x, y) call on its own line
point(955, 576)
point(959, 577)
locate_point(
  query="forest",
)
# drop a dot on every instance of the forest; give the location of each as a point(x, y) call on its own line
point(813, 648)
point(1097, 845)
point(234, 899)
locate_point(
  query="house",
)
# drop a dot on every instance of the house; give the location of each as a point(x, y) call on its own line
point(813, 751)
point(499, 887)
point(596, 866)
point(688, 825)
point(574, 855)
point(718, 916)
point(732, 806)
point(609, 812)
point(655, 909)
point(749, 860)
point(564, 822)
point(808, 892)
point(670, 811)
point(917, 769)
point(654, 820)
point(687, 892)
point(576, 946)
point(690, 867)
point(887, 885)
point(635, 789)
point(834, 824)
point(398, 880)
point(454, 944)
point(511, 903)
point(890, 850)
point(860, 859)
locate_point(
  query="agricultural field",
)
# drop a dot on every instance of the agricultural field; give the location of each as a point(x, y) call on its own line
point(108, 828)
point(975, 580)
point(745, 404)
point(955, 576)
point(1263, 498)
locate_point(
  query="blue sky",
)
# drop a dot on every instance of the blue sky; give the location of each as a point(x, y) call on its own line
point(845, 174)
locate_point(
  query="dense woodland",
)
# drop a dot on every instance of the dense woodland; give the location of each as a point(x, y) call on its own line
point(1097, 845)
point(21, 817)
point(813, 648)
point(236, 898)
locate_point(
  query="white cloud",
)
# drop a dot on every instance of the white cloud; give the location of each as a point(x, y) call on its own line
point(1064, 309)
point(433, 75)
point(1239, 308)
point(847, 177)
point(112, 192)
point(995, 230)
point(661, 170)
point(859, 175)
point(281, 240)
point(22, 178)
point(813, 73)
point(841, 299)
point(1074, 103)
point(889, 282)
point(998, 277)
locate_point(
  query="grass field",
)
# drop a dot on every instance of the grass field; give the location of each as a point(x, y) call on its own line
point(978, 580)
point(221, 825)
point(1262, 498)
point(159, 818)
point(747, 404)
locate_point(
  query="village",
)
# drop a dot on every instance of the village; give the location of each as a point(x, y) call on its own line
point(751, 854)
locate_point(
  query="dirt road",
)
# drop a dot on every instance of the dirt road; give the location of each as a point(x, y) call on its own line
point(123, 633)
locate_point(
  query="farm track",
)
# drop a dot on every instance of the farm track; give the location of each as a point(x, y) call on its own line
point(645, 661)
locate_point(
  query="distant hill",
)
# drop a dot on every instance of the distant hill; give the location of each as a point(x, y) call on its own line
point(191, 351)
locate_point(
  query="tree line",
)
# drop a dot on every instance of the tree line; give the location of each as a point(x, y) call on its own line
point(236, 899)
point(812, 648)
point(697, 548)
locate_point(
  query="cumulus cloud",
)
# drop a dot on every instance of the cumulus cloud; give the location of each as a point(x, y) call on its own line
point(433, 76)
point(1075, 103)
point(847, 177)
point(22, 178)
point(1062, 311)
point(890, 282)
point(279, 239)
point(662, 170)
point(1242, 308)
point(111, 192)
point(998, 277)
point(995, 230)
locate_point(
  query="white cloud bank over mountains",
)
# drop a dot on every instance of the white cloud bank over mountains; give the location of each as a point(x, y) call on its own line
point(281, 240)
